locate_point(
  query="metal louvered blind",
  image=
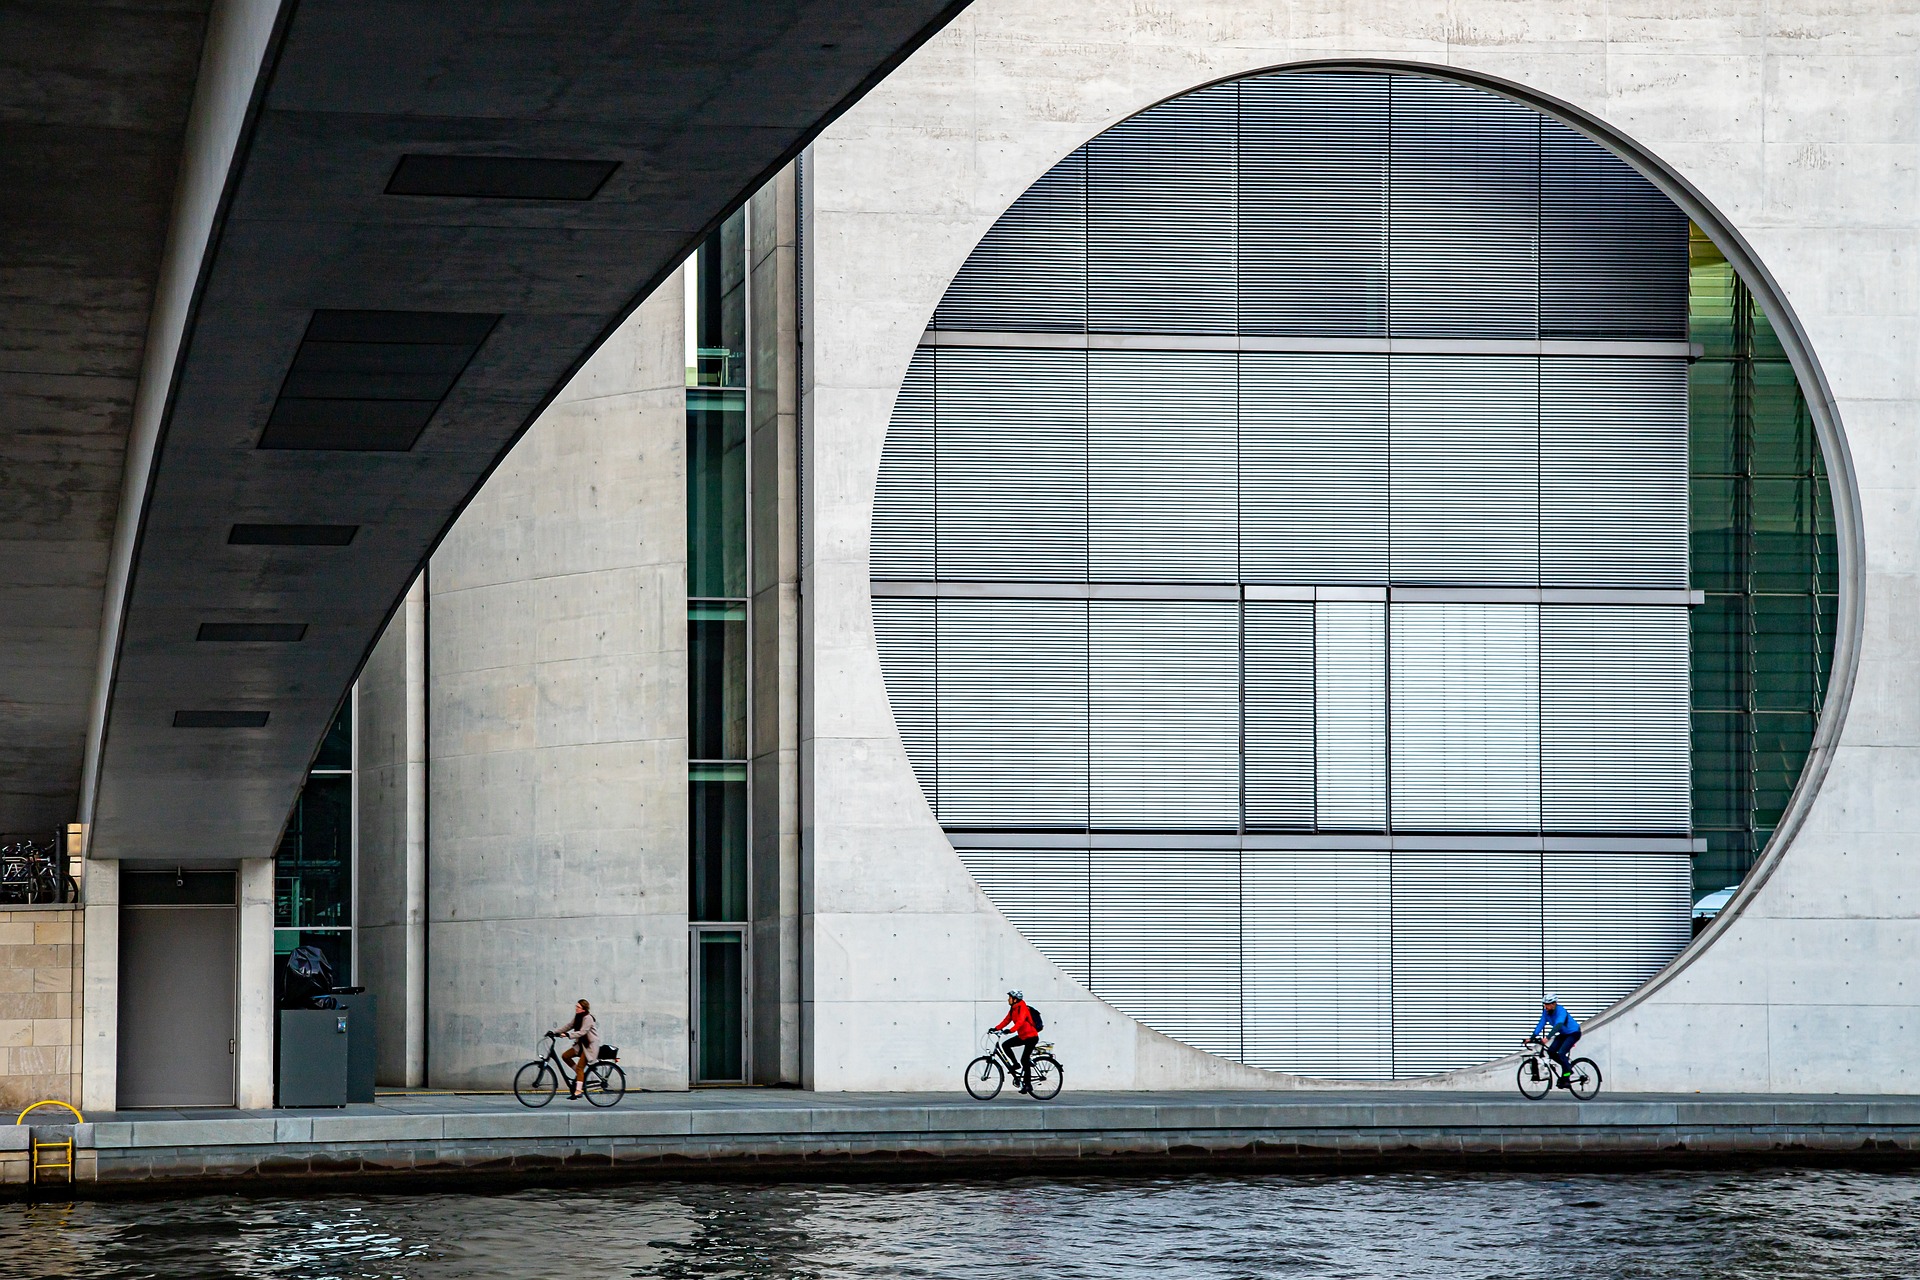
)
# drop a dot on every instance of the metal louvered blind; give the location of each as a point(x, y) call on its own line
point(1466, 455)
point(1466, 717)
point(1614, 740)
point(903, 502)
point(1166, 941)
point(1350, 715)
point(1011, 449)
point(1160, 218)
point(1613, 920)
point(1279, 714)
point(1613, 472)
point(1046, 895)
point(1161, 439)
point(1013, 713)
point(1465, 212)
point(1466, 957)
point(1313, 205)
point(1315, 952)
point(1165, 692)
point(1313, 468)
point(1613, 247)
point(905, 633)
point(1030, 272)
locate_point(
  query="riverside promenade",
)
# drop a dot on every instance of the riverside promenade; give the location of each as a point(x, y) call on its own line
point(781, 1133)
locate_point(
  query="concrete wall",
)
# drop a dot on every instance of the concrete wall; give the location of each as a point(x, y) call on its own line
point(391, 774)
point(1796, 122)
point(41, 951)
point(558, 819)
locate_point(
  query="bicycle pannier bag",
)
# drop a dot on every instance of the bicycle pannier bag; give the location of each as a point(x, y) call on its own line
point(609, 1053)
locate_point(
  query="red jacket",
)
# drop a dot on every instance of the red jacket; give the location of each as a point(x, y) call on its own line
point(1021, 1019)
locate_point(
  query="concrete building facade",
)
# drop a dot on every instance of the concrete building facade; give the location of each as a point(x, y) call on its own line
point(524, 763)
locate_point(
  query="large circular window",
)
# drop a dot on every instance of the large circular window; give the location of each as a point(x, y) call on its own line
point(1349, 556)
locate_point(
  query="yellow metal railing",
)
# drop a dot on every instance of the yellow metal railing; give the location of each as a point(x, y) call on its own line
point(38, 1163)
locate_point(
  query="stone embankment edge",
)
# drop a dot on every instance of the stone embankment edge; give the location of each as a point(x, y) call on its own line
point(177, 1156)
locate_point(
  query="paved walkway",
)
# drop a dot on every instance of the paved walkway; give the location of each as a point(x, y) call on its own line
point(783, 1132)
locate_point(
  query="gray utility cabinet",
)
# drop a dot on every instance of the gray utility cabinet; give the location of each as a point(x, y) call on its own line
point(313, 1057)
point(363, 1050)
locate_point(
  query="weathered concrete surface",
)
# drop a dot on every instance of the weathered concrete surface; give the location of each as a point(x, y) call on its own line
point(93, 103)
point(720, 1132)
point(40, 967)
point(557, 849)
point(1795, 123)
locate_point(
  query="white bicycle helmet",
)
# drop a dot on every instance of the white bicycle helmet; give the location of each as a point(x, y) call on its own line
point(1015, 995)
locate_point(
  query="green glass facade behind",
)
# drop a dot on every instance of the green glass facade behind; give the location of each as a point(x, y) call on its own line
point(313, 867)
point(1765, 555)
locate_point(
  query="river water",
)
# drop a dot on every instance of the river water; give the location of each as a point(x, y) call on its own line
point(1776, 1224)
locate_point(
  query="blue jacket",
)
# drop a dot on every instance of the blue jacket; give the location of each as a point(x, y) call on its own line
point(1560, 1020)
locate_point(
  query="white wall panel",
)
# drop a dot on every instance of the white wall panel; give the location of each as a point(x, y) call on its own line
point(1350, 715)
point(1313, 468)
point(1011, 451)
point(1615, 750)
point(1465, 717)
point(1165, 694)
point(903, 502)
point(1163, 498)
point(1465, 462)
point(1613, 920)
point(1613, 472)
point(1013, 713)
point(1166, 941)
point(1315, 951)
point(1045, 893)
point(1466, 957)
point(1279, 713)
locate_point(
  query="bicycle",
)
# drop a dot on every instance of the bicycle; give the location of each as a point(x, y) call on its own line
point(987, 1074)
point(1539, 1073)
point(603, 1085)
point(32, 872)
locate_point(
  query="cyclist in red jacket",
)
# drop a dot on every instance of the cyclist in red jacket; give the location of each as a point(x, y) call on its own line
point(1025, 1036)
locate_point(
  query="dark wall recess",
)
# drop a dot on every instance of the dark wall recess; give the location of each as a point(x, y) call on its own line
point(500, 177)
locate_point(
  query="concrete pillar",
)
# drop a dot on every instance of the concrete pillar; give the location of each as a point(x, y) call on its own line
point(773, 339)
point(253, 1083)
point(557, 841)
point(100, 988)
point(391, 768)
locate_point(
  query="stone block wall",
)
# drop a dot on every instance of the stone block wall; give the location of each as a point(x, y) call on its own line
point(40, 953)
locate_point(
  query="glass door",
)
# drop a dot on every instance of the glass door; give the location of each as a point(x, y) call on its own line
point(719, 1006)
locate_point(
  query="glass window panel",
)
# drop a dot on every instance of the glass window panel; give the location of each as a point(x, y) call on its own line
point(717, 681)
point(716, 493)
point(336, 749)
point(717, 825)
point(719, 307)
point(720, 968)
point(313, 870)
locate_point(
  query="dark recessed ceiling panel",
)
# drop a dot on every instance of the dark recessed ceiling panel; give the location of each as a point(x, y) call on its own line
point(220, 719)
point(292, 535)
point(370, 381)
point(240, 632)
point(500, 177)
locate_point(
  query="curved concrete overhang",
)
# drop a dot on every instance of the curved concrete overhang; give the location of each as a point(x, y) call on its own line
point(1772, 135)
point(469, 292)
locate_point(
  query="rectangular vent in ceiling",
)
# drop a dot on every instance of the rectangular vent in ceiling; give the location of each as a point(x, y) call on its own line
point(272, 632)
point(500, 177)
point(372, 380)
point(220, 719)
point(292, 535)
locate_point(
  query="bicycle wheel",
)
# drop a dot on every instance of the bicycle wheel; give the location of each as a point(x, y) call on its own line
point(1048, 1076)
point(606, 1084)
point(985, 1076)
point(1536, 1077)
point(535, 1083)
point(1585, 1082)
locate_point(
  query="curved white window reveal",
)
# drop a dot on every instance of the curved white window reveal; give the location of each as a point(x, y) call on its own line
point(1281, 571)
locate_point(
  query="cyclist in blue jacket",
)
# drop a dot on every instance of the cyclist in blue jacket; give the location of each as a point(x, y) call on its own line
point(1566, 1032)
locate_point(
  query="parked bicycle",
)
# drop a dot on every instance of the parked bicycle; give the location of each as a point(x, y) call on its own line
point(987, 1074)
point(1539, 1073)
point(35, 871)
point(604, 1083)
